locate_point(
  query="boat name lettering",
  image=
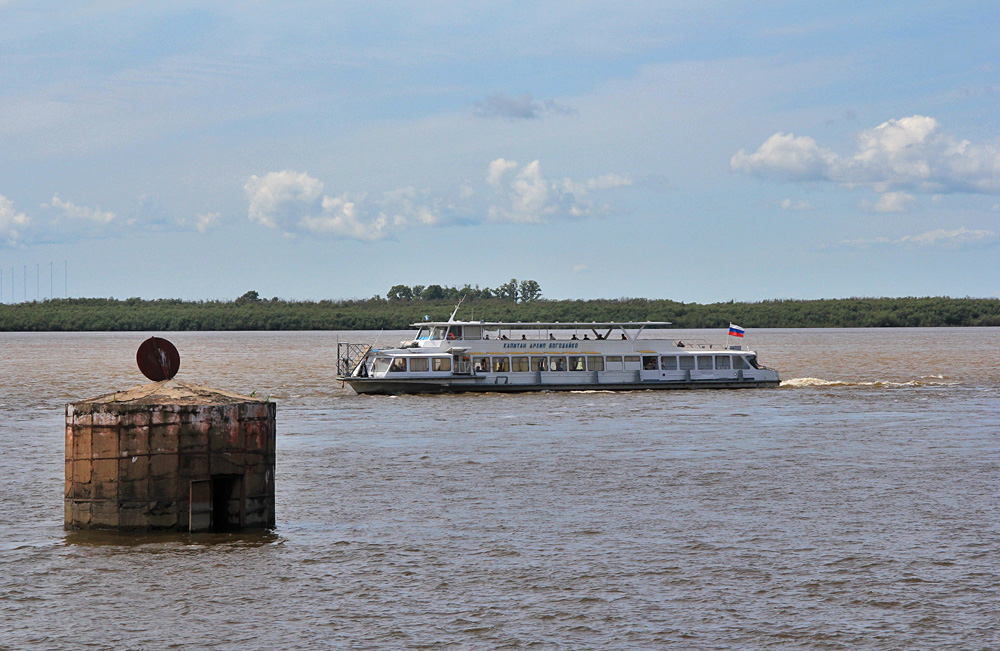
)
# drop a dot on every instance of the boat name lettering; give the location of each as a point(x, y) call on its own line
point(550, 345)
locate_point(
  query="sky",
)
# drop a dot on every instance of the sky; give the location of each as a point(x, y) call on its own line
point(694, 151)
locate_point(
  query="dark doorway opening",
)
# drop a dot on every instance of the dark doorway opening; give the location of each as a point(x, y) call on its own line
point(227, 503)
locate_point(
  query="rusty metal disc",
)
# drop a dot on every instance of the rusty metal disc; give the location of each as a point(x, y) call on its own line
point(158, 359)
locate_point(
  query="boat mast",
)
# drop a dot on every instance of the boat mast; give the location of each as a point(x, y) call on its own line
point(451, 319)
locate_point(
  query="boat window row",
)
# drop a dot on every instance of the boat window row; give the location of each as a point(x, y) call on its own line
point(533, 363)
point(416, 364)
point(451, 332)
point(536, 363)
point(698, 362)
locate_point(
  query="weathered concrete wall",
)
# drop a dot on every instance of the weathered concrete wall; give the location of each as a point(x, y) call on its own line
point(130, 461)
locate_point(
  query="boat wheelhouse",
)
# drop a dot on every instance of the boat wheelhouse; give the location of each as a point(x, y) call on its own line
point(478, 356)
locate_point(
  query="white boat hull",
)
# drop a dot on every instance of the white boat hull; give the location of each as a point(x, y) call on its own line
point(383, 386)
point(480, 357)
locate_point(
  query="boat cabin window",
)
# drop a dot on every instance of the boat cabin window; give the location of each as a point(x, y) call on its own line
point(722, 362)
point(595, 363)
point(539, 363)
point(381, 364)
point(686, 362)
point(557, 363)
point(649, 363)
point(418, 364)
point(668, 363)
point(632, 362)
point(704, 362)
point(752, 361)
point(473, 332)
point(423, 333)
point(501, 364)
point(740, 362)
point(576, 363)
point(519, 364)
point(613, 363)
point(441, 363)
point(454, 332)
point(398, 365)
point(481, 364)
point(438, 332)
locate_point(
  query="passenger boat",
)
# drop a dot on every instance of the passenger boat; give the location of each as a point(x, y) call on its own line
point(478, 356)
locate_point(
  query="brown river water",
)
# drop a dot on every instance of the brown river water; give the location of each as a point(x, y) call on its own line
point(855, 507)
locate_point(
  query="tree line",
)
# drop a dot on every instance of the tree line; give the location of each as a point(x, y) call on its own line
point(524, 291)
point(395, 311)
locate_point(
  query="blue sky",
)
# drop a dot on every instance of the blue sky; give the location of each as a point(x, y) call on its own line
point(695, 151)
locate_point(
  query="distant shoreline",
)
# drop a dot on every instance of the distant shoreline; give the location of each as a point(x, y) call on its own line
point(133, 314)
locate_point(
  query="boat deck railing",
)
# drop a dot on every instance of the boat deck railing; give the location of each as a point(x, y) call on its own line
point(699, 344)
point(690, 343)
point(349, 357)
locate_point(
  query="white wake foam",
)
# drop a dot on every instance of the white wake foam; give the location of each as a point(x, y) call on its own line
point(800, 382)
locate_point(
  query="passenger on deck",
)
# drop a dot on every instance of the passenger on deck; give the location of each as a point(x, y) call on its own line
point(585, 337)
point(552, 337)
point(523, 337)
point(573, 337)
point(504, 337)
point(623, 336)
point(680, 344)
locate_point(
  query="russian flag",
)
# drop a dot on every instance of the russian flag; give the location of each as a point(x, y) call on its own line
point(736, 331)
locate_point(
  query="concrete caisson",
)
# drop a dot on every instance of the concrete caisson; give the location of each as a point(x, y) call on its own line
point(170, 456)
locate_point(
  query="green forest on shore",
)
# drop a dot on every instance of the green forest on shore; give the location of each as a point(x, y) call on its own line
point(513, 301)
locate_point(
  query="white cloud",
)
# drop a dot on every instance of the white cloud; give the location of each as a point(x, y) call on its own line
point(788, 204)
point(891, 202)
point(282, 199)
point(294, 203)
point(340, 218)
point(952, 239)
point(206, 221)
point(897, 153)
point(12, 223)
point(497, 169)
point(940, 238)
point(607, 182)
point(73, 211)
point(786, 156)
point(910, 153)
point(408, 206)
point(60, 220)
point(531, 198)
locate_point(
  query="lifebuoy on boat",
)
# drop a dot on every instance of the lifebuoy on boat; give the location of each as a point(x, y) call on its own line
point(451, 335)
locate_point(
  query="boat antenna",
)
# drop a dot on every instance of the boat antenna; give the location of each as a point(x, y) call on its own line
point(455, 311)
